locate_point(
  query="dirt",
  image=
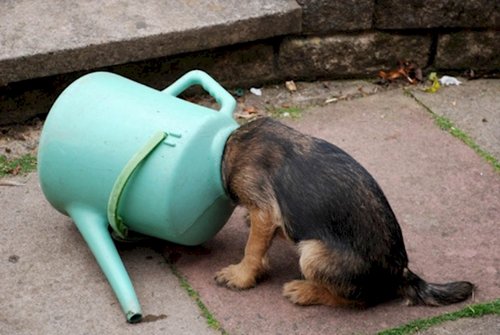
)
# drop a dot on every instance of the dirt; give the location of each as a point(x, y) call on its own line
point(20, 139)
point(301, 96)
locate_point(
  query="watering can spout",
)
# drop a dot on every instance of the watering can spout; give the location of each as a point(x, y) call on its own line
point(93, 228)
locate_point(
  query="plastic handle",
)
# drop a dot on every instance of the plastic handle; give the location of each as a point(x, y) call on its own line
point(114, 219)
point(197, 77)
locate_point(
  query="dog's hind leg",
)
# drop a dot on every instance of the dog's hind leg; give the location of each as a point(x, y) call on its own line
point(318, 265)
point(244, 274)
point(308, 292)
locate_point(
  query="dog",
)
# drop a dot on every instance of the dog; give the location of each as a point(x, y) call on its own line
point(350, 243)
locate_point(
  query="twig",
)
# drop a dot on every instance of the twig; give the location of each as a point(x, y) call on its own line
point(10, 183)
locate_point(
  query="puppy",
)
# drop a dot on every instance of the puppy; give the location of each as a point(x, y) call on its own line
point(350, 243)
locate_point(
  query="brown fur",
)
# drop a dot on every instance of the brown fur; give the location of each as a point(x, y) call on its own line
point(350, 244)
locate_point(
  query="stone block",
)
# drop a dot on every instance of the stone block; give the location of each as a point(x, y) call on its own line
point(44, 38)
point(416, 14)
point(236, 66)
point(323, 16)
point(240, 65)
point(350, 55)
point(479, 50)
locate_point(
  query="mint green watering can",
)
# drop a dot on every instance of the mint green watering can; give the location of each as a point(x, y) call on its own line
point(117, 153)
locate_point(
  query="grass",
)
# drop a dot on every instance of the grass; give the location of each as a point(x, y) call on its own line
point(21, 165)
point(286, 112)
point(211, 320)
point(447, 125)
point(471, 311)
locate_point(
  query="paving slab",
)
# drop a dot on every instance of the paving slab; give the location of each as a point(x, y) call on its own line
point(473, 107)
point(40, 38)
point(51, 283)
point(446, 198)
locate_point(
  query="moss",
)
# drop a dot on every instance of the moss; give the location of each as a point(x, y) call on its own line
point(447, 125)
point(471, 311)
point(21, 165)
point(289, 112)
point(211, 320)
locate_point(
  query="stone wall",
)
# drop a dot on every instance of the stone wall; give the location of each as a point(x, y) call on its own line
point(352, 39)
point(356, 38)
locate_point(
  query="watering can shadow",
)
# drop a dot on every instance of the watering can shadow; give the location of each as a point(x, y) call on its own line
point(117, 153)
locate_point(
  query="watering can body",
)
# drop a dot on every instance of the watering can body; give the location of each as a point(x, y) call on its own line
point(114, 150)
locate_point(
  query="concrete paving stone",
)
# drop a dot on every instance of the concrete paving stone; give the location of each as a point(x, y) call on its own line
point(474, 107)
point(57, 36)
point(486, 325)
point(445, 197)
point(447, 200)
point(51, 283)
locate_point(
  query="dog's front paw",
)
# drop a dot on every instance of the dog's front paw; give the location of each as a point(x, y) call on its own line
point(236, 276)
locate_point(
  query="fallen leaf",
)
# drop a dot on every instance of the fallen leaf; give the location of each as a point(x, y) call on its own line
point(327, 101)
point(244, 116)
point(250, 110)
point(408, 70)
point(435, 83)
point(15, 171)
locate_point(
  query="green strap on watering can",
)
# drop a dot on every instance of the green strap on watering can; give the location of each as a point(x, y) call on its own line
point(196, 77)
point(115, 221)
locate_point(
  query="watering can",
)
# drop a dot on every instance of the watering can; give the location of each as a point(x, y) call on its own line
point(115, 153)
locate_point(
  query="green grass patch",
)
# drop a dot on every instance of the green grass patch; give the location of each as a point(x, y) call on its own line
point(211, 320)
point(286, 112)
point(447, 125)
point(471, 311)
point(21, 165)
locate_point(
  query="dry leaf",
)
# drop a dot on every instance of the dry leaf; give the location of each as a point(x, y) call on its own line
point(15, 171)
point(408, 70)
point(244, 116)
point(250, 110)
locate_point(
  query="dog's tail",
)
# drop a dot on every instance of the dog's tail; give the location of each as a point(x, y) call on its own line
point(418, 292)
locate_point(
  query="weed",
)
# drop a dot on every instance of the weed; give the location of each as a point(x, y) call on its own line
point(21, 165)
point(211, 320)
point(447, 125)
point(286, 112)
point(471, 311)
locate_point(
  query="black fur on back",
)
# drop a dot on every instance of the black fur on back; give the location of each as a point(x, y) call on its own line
point(325, 194)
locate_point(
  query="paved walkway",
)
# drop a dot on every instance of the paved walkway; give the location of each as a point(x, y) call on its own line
point(446, 197)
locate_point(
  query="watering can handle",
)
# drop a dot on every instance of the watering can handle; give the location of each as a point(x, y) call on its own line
point(114, 219)
point(197, 77)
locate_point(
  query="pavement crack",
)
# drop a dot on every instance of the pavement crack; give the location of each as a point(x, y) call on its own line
point(212, 322)
point(447, 125)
